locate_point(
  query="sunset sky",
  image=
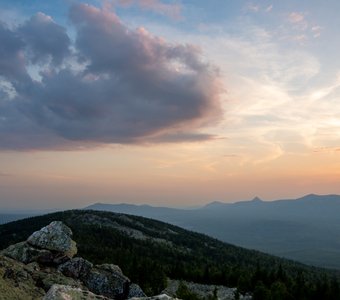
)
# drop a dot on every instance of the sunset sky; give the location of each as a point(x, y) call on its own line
point(167, 102)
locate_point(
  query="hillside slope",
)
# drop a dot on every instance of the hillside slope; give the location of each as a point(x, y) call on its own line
point(148, 251)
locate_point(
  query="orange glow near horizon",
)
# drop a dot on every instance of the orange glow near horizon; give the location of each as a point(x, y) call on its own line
point(166, 175)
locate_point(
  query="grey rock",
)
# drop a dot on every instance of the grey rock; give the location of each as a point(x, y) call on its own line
point(204, 291)
point(46, 281)
point(25, 253)
point(135, 291)
point(64, 292)
point(108, 280)
point(56, 237)
point(110, 268)
point(76, 267)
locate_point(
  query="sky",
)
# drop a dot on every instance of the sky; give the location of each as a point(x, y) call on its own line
point(170, 103)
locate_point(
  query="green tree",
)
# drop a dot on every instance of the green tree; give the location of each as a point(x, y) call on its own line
point(279, 291)
point(261, 292)
point(184, 293)
point(244, 283)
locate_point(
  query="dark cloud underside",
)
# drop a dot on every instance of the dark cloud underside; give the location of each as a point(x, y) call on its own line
point(110, 85)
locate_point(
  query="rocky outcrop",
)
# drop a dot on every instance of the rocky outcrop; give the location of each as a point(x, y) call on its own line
point(55, 237)
point(25, 253)
point(63, 292)
point(204, 291)
point(44, 266)
point(50, 245)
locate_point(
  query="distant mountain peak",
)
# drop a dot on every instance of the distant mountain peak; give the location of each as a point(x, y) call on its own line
point(318, 198)
point(310, 196)
point(257, 199)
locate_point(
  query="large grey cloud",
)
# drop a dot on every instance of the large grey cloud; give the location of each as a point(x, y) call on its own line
point(12, 63)
point(117, 85)
point(45, 39)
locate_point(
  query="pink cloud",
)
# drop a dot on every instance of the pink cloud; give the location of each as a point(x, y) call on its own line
point(316, 31)
point(296, 17)
point(269, 8)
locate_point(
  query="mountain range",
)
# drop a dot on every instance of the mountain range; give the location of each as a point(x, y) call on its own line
point(304, 229)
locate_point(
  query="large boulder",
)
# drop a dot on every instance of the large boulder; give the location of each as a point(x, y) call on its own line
point(108, 280)
point(55, 237)
point(25, 253)
point(64, 292)
point(77, 267)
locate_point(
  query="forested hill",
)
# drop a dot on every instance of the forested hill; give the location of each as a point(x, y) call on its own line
point(148, 251)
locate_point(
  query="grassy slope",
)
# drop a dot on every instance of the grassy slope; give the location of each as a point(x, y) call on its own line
point(10, 289)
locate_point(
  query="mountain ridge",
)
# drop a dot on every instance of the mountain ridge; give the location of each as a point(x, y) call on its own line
point(303, 229)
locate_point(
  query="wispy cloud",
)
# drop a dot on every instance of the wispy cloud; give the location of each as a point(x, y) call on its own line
point(269, 8)
point(266, 110)
point(172, 10)
point(257, 8)
point(327, 150)
point(3, 174)
point(316, 30)
point(253, 7)
point(303, 27)
point(296, 17)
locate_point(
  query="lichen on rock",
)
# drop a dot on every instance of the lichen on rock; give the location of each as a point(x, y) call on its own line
point(25, 253)
point(77, 267)
point(108, 280)
point(56, 237)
